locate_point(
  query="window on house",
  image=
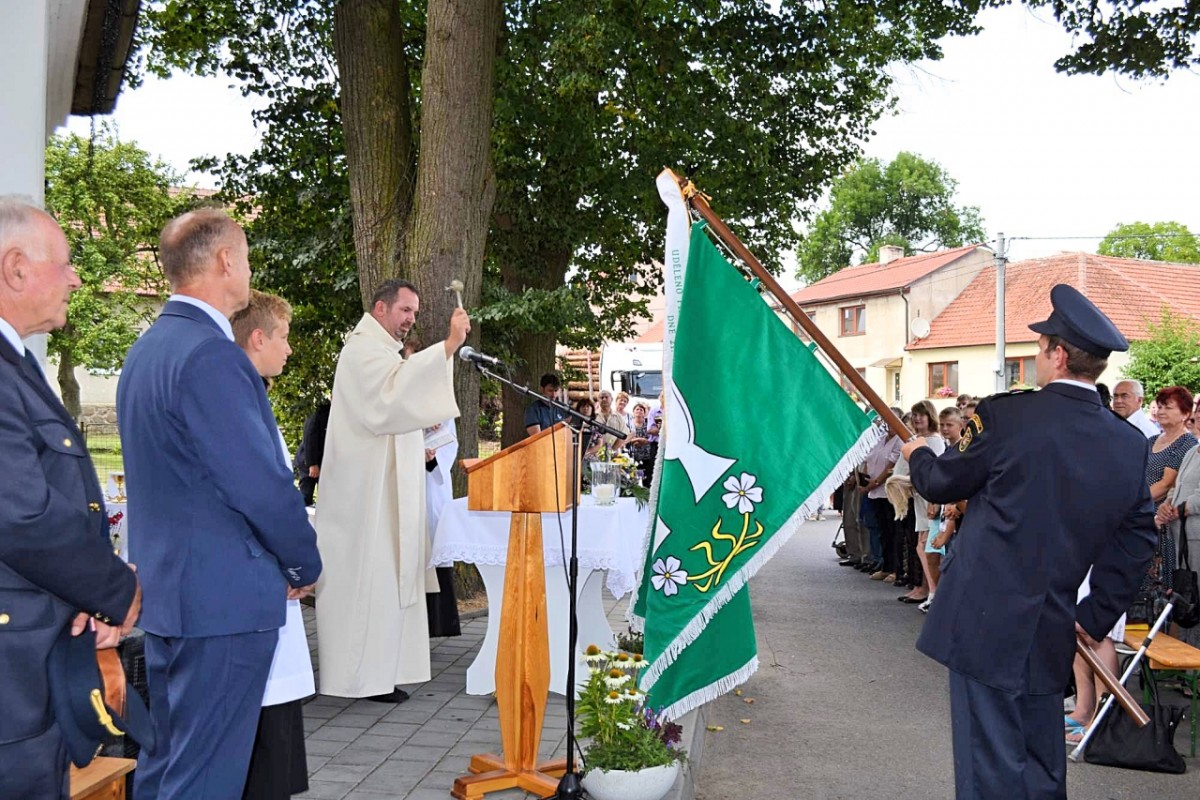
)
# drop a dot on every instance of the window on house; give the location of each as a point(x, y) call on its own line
point(854, 320)
point(896, 387)
point(1019, 371)
point(943, 379)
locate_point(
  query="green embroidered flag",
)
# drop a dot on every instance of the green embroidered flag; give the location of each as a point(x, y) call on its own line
point(757, 434)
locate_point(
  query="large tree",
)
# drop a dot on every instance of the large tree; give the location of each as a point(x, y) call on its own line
point(1139, 38)
point(111, 198)
point(340, 195)
point(1168, 355)
point(1158, 241)
point(908, 202)
point(763, 104)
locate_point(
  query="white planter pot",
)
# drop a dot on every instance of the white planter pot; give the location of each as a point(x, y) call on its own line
point(643, 784)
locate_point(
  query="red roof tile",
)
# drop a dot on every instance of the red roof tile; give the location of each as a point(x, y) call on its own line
point(868, 279)
point(1129, 291)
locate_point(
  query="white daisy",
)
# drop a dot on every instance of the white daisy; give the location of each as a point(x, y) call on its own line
point(668, 577)
point(742, 492)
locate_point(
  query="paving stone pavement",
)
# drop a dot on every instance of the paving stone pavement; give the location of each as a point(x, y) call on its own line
point(358, 749)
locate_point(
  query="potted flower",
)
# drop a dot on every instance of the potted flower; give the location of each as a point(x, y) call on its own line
point(945, 391)
point(632, 752)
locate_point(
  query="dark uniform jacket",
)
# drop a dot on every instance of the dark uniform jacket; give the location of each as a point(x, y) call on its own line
point(1056, 484)
point(55, 556)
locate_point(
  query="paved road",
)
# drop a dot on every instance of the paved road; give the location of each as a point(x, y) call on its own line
point(845, 707)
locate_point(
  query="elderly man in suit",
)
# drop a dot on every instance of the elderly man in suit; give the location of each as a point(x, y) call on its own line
point(56, 563)
point(217, 527)
point(1055, 484)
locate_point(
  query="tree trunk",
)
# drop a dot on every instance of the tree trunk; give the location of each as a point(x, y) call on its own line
point(534, 351)
point(455, 185)
point(68, 385)
point(376, 113)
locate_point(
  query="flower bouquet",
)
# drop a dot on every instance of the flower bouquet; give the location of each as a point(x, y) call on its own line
point(632, 751)
point(945, 391)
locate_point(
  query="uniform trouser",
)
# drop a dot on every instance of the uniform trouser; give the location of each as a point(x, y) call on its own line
point(1006, 746)
point(205, 699)
point(35, 768)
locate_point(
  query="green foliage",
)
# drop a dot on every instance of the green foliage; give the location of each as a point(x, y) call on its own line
point(1159, 241)
point(112, 199)
point(1139, 38)
point(615, 718)
point(908, 202)
point(1169, 356)
point(292, 191)
point(762, 106)
point(763, 102)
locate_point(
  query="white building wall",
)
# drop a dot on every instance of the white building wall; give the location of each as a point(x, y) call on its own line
point(39, 44)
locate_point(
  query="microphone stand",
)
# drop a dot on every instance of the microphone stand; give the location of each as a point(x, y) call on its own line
point(570, 786)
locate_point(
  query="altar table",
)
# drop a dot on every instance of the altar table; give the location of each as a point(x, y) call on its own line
point(610, 545)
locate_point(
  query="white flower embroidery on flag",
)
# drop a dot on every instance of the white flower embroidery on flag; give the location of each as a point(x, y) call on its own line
point(742, 492)
point(668, 577)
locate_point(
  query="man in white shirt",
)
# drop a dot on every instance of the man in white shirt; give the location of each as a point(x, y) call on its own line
point(1127, 403)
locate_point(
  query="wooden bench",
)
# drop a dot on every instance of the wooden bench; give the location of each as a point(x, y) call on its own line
point(1172, 659)
point(103, 779)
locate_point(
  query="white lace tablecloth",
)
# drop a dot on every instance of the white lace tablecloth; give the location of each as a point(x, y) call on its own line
point(610, 538)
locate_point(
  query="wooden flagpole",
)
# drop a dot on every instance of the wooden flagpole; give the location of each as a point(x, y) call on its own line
point(699, 202)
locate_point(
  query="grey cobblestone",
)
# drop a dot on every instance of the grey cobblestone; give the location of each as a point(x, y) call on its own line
point(360, 750)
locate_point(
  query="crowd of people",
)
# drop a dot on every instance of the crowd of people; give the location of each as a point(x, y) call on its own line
point(224, 549)
point(640, 426)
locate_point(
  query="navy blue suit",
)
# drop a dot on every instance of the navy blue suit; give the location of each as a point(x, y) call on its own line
point(218, 531)
point(1056, 485)
point(55, 560)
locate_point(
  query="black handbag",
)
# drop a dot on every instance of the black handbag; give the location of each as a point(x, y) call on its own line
point(1185, 585)
point(1118, 742)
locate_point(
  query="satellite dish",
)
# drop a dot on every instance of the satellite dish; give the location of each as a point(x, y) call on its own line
point(919, 327)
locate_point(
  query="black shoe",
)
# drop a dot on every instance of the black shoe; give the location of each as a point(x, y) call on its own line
point(849, 562)
point(396, 696)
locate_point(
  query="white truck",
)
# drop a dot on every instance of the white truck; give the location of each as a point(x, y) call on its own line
point(633, 367)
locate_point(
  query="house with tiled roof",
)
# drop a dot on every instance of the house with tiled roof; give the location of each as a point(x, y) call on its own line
point(959, 350)
point(868, 310)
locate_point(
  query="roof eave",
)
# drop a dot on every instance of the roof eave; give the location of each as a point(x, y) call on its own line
point(104, 50)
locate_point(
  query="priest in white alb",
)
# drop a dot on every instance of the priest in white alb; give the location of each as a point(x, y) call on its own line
point(372, 629)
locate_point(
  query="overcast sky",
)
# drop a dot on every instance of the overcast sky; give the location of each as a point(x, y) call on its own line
point(1041, 154)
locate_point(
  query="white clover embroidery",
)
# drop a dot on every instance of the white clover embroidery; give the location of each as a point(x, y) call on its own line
point(668, 577)
point(742, 492)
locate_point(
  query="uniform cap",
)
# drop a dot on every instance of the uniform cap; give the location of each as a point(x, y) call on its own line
point(1076, 320)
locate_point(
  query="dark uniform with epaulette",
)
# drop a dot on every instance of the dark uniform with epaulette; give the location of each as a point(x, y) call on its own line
point(1056, 485)
point(55, 560)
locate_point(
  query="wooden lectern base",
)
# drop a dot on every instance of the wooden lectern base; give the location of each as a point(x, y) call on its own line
point(491, 775)
point(522, 675)
point(531, 476)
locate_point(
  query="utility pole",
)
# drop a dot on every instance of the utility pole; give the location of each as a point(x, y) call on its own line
point(1001, 260)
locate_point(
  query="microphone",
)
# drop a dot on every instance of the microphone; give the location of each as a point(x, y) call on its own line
point(472, 355)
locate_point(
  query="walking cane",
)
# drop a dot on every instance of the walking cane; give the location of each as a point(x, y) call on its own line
point(1077, 753)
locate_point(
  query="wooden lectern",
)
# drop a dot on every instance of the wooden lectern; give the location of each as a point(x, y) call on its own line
point(532, 476)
